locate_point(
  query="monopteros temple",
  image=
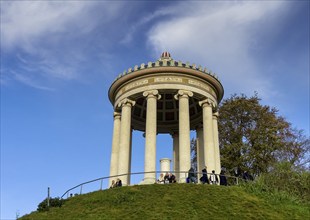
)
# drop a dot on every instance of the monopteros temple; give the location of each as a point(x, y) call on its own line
point(166, 96)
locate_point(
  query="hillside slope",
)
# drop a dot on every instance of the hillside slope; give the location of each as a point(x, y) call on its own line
point(173, 201)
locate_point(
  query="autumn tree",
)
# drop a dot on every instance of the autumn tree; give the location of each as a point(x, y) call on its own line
point(253, 137)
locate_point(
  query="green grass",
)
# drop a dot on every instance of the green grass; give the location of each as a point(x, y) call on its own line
point(175, 201)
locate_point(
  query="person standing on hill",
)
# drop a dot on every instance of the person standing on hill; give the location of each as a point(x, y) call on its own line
point(161, 179)
point(166, 178)
point(118, 183)
point(172, 178)
point(113, 184)
point(213, 178)
point(204, 179)
point(223, 180)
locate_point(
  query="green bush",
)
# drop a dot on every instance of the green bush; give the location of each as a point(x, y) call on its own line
point(285, 180)
point(54, 202)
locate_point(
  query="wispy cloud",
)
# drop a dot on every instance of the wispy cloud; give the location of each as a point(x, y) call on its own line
point(144, 21)
point(51, 37)
point(58, 40)
point(220, 36)
point(25, 23)
point(30, 82)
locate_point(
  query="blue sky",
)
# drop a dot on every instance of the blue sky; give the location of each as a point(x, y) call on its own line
point(59, 58)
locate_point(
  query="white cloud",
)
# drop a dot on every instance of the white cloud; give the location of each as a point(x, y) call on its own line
point(25, 23)
point(50, 37)
point(220, 36)
point(143, 21)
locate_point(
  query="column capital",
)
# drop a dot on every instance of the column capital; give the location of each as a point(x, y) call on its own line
point(127, 102)
point(116, 115)
point(207, 102)
point(165, 159)
point(152, 94)
point(184, 94)
point(215, 115)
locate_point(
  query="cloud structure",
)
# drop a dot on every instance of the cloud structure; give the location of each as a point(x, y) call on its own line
point(52, 40)
point(59, 58)
point(227, 36)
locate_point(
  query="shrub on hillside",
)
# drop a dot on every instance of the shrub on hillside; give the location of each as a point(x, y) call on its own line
point(54, 202)
point(285, 179)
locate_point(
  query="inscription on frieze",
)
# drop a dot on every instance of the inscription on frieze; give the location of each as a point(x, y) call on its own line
point(135, 84)
point(199, 84)
point(168, 79)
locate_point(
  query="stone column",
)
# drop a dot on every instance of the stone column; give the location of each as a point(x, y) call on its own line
point(115, 146)
point(165, 165)
point(176, 161)
point(216, 144)
point(150, 136)
point(130, 155)
point(124, 144)
point(200, 151)
point(184, 133)
point(208, 142)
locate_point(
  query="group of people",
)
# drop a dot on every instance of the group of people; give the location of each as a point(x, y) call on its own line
point(204, 179)
point(117, 183)
point(167, 178)
point(213, 178)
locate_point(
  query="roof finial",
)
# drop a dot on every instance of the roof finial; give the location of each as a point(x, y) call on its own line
point(165, 56)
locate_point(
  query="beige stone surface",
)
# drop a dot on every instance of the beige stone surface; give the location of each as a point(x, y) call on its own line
point(208, 134)
point(217, 156)
point(125, 142)
point(115, 146)
point(165, 164)
point(150, 136)
point(184, 133)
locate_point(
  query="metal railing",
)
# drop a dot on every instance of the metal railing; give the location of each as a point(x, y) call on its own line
point(231, 180)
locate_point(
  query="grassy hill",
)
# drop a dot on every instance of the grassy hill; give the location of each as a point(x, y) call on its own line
point(175, 201)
